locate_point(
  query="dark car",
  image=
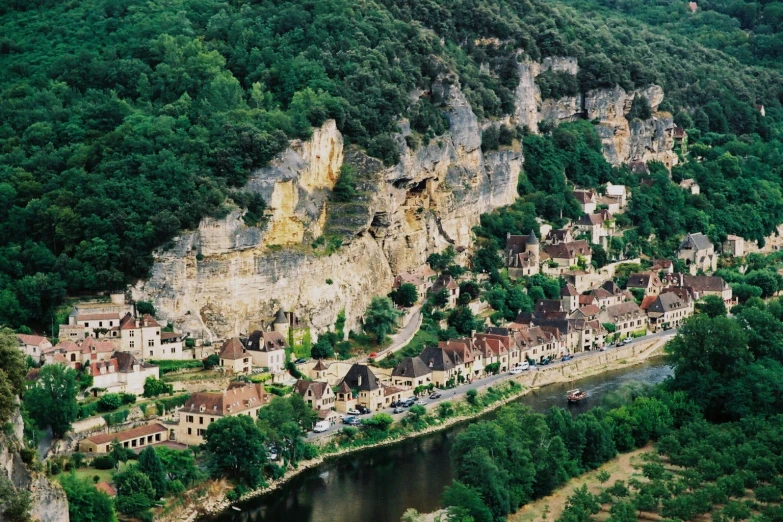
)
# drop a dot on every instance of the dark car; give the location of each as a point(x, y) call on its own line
point(398, 409)
point(567, 357)
point(363, 410)
point(351, 421)
point(300, 361)
point(435, 395)
point(544, 362)
point(410, 402)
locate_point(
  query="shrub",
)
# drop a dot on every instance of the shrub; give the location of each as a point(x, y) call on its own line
point(128, 398)
point(175, 487)
point(104, 462)
point(109, 402)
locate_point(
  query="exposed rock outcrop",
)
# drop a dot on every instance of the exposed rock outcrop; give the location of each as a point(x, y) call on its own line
point(224, 277)
point(48, 500)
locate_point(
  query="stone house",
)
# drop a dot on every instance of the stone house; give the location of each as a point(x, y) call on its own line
point(588, 200)
point(412, 372)
point(465, 350)
point(690, 186)
point(698, 252)
point(203, 408)
point(535, 343)
point(140, 336)
point(318, 395)
point(522, 255)
point(422, 284)
point(139, 437)
point(33, 345)
point(615, 197)
point(598, 226)
point(234, 358)
point(345, 400)
point(446, 282)
point(557, 236)
point(122, 372)
point(627, 318)
point(734, 246)
point(667, 310)
point(365, 386)
point(702, 286)
point(647, 281)
point(444, 364)
point(267, 350)
point(565, 255)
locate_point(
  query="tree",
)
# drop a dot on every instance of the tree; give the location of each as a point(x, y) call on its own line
point(405, 295)
point(344, 189)
point(211, 361)
point(135, 493)
point(109, 402)
point(14, 505)
point(151, 465)
point(380, 319)
point(180, 466)
point(623, 512)
point(51, 401)
point(712, 305)
point(463, 320)
point(235, 447)
point(85, 502)
point(459, 495)
point(441, 298)
point(284, 422)
point(379, 421)
point(323, 349)
point(154, 387)
point(145, 307)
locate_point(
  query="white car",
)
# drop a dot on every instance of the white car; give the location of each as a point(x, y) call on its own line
point(322, 426)
point(353, 411)
point(421, 402)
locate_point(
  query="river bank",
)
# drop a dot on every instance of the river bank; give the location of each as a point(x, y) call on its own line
point(211, 502)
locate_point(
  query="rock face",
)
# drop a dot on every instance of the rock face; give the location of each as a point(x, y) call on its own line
point(225, 277)
point(48, 501)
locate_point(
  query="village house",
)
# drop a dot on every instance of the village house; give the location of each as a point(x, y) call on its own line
point(318, 395)
point(662, 265)
point(702, 286)
point(267, 350)
point(66, 352)
point(587, 199)
point(646, 281)
point(121, 372)
point(598, 227)
point(560, 235)
point(447, 283)
point(698, 252)
point(569, 298)
point(626, 317)
point(203, 408)
point(734, 246)
point(320, 371)
point(412, 372)
point(495, 350)
point(522, 255)
point(565, 255)
point(95, 350)
point(172, 346)
point(615, 197)
point(535, 344)
point(234, 358)
point(96, 319)
point(139, 437)
point(422, 284)
point(362, 381)
point(445, 365)
point(666, 310)
point(465, 350)
point(345, 400)
point(690, 186)
point(33, 345)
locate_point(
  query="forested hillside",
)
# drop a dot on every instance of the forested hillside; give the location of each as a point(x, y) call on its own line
point(125, 121)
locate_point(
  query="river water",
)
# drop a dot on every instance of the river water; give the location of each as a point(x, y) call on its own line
point(379, 484)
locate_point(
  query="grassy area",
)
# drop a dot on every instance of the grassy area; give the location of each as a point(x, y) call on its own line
point(425, 336)
point(167, 366)
point(192, 376)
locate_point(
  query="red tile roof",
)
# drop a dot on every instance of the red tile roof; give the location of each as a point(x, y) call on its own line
point(141, 431)
point(32, 340)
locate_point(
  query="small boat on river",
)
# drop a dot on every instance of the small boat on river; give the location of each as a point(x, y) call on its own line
point(576, 396)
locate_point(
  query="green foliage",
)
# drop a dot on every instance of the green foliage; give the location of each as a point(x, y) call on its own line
point(104, 462)
point(284, 423)
point(557, 84)
point(145, 307)
point(14, 505)
point(51, 402)
point(85, 502)
point(167, 366)
point(712, 306)
point(459, 495)
point(463, 320)
point(154, 387)
point(345, 189)
point(379, 421)
point(180, 467)
point(640, 109)
point(135, 493)
point(405, 295)
point(323, 349)
point(151, 465)
point(380, 318)
point(234, 447)
point(170, 403)
point(109, 402)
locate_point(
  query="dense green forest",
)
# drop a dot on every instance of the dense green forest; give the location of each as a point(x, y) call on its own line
point(123, 122)
point(716, 424)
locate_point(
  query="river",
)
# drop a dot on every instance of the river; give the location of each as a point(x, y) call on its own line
point(379, 484)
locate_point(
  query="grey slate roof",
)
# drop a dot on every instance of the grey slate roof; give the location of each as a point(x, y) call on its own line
point(697, 241)
point(360, 377)
point(411, 367)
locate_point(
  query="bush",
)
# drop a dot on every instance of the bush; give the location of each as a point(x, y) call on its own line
point(211, 361)
point(110, 401)
point(175, 487)
point(128, 398)
point(104, 462)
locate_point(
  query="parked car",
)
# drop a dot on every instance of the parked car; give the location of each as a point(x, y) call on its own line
point(436, 395)
point(398, 409)
point(353, 411)
point(544, 362)
point(373, 355)
point(322, 426)
point(421, 402)
point(520, 367)
point(300, 361)
point(351, 421)
point(567, 357)
point(363, 410)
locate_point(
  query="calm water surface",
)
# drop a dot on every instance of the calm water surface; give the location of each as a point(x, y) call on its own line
point(379, 484)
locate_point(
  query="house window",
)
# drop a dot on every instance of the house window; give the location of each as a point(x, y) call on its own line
point(173, 350)
point(100, 324)
point(132, 344)
point(131, 333)
point(201, 420)
point(111, 323)
point(157, 332)
point(190, 431)
point(200, 432)
point(73, 357)
point(86, 325)
point(189, 418)
point(150, 353)
point(151, 342)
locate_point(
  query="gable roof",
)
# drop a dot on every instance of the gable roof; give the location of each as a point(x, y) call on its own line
point(549, 305)
point(320, 366)
point(32, 340)
point(268, 341)
point(666, 303)
point(437, 358)
point(238, 397)
point(590, 310)
point(411, 367)
point(317, 387)
point(704, 283)
point(643, 280)
point(584, 196)
point(696, 241)
point(515, 244)
point(647, 301)
point(444, 281)
point(568, 290)
point(232, 349)
point(627, 309)
point(589, 220)
point(360, 377)
point(569, 250)
point(141, 431)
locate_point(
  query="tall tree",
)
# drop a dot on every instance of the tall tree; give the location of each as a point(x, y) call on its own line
point(151, 465)
point(51, 400)
point(234, 447)
point(380, 319)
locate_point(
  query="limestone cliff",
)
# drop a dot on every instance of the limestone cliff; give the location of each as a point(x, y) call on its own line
point(48, 501)
point(225, 277)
